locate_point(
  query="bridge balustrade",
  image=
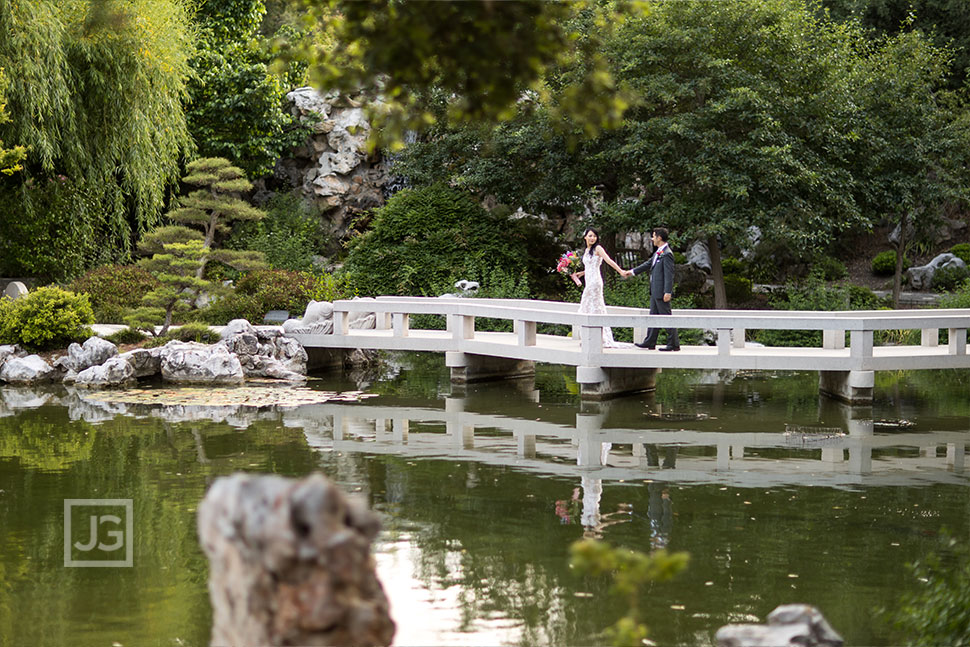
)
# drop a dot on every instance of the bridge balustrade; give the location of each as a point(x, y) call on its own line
point(845, 371)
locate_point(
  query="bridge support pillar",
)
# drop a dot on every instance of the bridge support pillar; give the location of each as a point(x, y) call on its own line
point(597, 383)
point(466, 368)
point(852, 387)
point(321, 358)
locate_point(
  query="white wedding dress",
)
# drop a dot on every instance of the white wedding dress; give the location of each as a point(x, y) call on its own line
point(592, 302)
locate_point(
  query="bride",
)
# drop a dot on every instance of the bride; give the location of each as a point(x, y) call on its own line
point(592, 302)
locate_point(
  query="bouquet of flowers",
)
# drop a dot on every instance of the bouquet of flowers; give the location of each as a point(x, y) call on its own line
point(569, 262)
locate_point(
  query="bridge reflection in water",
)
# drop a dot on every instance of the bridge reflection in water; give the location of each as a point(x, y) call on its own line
point(665, 448)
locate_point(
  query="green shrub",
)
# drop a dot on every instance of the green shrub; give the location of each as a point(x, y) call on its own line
point(884, 263)
point(194, 331)
point(946, 279)
point(433, 236)
point(958, 298)
point(127, 336)
point(680, 258)
point(46, 318)
point(832, 269)
point(260, 291)
point(289, 236)
point(331, 287)
point(862, 298)
point(962, 251)
point(731, 265)
point(113, 289)
point(737, 288)
point(811, 294)
point(936, 611)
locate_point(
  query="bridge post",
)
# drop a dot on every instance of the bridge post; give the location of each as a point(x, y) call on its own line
point(596, 383)
point(467, 368)
point(851, 387)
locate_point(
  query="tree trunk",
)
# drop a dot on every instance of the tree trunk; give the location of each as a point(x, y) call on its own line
point(717, 273)
point(900, 250)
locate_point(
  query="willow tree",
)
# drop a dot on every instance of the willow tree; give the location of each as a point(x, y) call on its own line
point(95, 95)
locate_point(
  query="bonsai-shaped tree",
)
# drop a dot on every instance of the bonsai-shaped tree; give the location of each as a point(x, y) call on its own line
point(177, 253)
point(214, 205)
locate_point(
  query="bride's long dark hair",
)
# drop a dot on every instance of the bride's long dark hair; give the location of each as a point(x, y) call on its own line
point(592, 248)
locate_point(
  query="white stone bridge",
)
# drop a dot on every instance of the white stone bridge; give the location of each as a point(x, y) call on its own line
point(845, 371)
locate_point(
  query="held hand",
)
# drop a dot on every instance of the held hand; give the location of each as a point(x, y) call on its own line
point(575, 279)
point(667, 297)
point(627, 273)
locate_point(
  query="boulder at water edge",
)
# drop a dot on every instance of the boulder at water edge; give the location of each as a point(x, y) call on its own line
point(200, 363)
point(27, 370)
point(94, 352)
point(145, 362)
point(790, 625)
point(114, 372)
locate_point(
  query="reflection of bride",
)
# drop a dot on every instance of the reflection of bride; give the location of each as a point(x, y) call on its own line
point(592, 302)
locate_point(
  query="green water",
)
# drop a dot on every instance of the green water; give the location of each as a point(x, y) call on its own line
point(478, 518)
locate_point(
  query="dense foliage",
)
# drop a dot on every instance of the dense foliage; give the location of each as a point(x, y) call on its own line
point(289, 237)
point(237, 106)
point(480, 56)
point(47, 317)
point(937, 610)
point(742, 114)
point(113, 289)
point(423, 240)
point(260, 291)
point(95, 93)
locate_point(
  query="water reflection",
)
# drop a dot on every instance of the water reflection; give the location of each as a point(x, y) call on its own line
point(482, 493)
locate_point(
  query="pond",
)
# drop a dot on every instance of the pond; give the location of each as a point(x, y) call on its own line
point(779, 496)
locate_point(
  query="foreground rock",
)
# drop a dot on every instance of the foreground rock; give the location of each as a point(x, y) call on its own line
point(790, 625)
point(290, 564)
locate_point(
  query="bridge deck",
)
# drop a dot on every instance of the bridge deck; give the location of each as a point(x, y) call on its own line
point(584, 347)
point(566, 350)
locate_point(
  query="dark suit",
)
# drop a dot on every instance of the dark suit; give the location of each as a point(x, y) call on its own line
point(661, 282)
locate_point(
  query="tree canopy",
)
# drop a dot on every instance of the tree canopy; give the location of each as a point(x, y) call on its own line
point(742, 114)
point(95, 96)
point(480, 56)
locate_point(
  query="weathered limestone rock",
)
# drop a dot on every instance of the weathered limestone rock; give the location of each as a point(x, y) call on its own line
point(699, 255)
point(15, 290)
point(790, 625)
point(145, 362)
point(921, 277)
point(94, 352)
point(290, 564)
point(10, 350)
point(265, 352)
point(27, 370)
point(117, 371)
point(195, 362)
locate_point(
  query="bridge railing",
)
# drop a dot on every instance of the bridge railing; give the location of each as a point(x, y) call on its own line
point(393, 313)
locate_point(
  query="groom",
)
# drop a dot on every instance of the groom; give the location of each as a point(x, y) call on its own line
point(661, 266)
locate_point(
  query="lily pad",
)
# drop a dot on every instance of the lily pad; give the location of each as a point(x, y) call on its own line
point(245, 396)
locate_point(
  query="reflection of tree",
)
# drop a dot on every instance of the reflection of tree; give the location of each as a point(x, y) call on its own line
point(156, 464)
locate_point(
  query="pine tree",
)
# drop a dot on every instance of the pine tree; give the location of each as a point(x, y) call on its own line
point(177, 254)
point(216, 203)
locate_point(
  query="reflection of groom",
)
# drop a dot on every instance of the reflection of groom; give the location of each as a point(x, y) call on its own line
point(661, 266)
